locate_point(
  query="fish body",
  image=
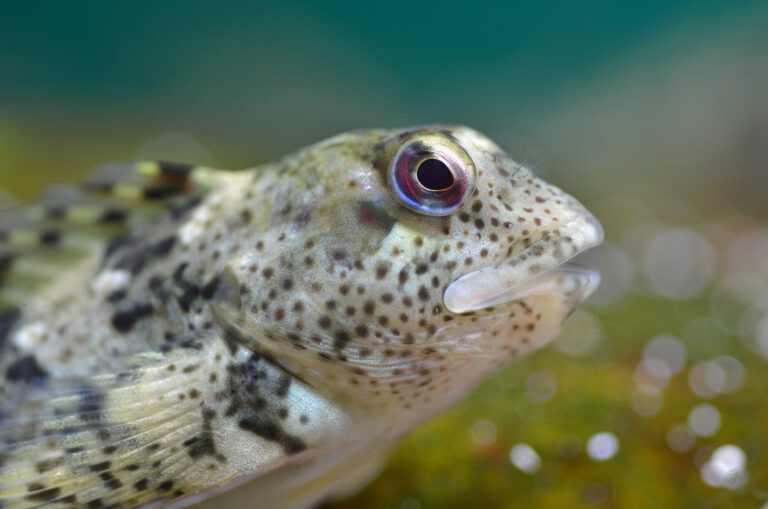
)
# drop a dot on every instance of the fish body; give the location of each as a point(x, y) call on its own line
point(170, 332)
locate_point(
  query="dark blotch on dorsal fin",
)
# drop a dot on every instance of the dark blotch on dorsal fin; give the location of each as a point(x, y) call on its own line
point(149, 180)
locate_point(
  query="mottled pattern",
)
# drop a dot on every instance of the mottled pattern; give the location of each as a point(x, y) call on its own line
point(170, 332)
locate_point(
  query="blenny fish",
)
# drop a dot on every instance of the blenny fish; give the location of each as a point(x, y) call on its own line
point(169, 333)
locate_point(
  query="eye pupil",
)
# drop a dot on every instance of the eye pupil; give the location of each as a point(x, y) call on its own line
point(434, 175)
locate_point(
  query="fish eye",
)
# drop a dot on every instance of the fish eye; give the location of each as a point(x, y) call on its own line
point(431, 174)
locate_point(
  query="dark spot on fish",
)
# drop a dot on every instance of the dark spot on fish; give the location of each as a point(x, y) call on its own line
point(178, 272)
point(190, 292)
point(56, 212)
point(8, 320)
point(117, 244)
point(26, 369)
point(50, 237)
point(203, 443)
point(123, 321)
point(341, 338)
point(49, 464)
point(256, 393)
point(270, 431)
point(133, 261)
point(117, 296)
point(191, 368)
point(6, 260)
point(91, 403)
point(210, 288)
point(113, 216)
point(159, 192)
point(283, 385)
point(179, 212)
point(44, 495)
point(372, 215)
point(170, 169)
point(381, 270)
point(69, 499)
point(110, 481)
point(100, 467)
point(164, 246)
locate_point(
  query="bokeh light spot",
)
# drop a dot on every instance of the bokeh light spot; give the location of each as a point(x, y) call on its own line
point(581, 334)
point(667, 349)
point(483, 432)
point(704, 420)
point(680, 439)
point(726, 468)
point(525, 458)
point(679, 264)
point(646, 404)
point(602, 446)
point(541, 385)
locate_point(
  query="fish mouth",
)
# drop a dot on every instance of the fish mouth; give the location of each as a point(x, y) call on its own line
point(542, 268)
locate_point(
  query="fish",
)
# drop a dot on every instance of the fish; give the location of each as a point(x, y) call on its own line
point(175, 335)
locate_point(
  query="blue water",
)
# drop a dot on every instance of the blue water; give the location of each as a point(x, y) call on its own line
point(235, 64)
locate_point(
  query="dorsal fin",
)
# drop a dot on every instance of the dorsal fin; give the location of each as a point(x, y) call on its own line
point(71, 223)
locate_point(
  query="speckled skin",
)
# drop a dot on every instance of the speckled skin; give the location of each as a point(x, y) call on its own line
point(279, 327)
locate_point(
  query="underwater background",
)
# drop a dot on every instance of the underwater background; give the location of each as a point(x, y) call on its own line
point(654, 114)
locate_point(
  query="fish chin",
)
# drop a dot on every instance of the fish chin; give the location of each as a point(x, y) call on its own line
point(539, 269)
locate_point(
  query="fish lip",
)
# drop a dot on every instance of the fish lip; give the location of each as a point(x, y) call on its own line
point(515, 278)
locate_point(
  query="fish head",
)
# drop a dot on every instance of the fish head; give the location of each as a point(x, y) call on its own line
point(427, 259)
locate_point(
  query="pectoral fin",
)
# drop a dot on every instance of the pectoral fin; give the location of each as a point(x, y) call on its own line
point(108, 441)
point(188, 423)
